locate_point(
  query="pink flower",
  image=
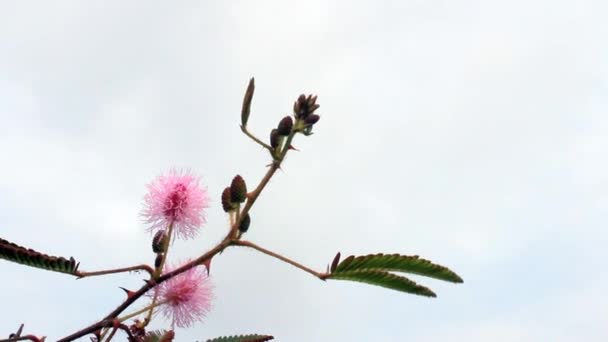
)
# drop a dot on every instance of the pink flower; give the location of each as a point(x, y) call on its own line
point(186, 297)
point(178, 199)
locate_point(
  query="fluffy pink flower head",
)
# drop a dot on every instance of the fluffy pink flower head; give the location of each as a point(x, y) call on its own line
point(186, 297)
point(176, 198)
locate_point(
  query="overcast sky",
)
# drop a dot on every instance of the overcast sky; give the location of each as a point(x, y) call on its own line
point(472, 133)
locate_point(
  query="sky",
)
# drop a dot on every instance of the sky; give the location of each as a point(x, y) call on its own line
point(471, 133)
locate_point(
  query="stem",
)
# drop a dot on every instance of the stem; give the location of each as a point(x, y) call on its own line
point(117, 270)
point(230, 239)
point(319, 275)
point(107, 321)
point(115, 326)
point(111, 334)
point(138, 312)
point(265, 145)
point(159, 271)
point(253, 196)
point(22, 338)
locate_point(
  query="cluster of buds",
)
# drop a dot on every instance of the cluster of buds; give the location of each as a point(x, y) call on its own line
point(304, 109)
point(283, 130)
point(304, 113)
point(233, 196)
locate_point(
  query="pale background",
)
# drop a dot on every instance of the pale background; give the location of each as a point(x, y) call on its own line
point(473, 133)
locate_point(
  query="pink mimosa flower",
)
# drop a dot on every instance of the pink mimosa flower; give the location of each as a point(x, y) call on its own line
point(176, 199)
point(186, 297)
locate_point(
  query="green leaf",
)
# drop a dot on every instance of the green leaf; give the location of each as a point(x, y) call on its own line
point(384, 279)
point(21, 255)
point(243, 338)
point(398, 263)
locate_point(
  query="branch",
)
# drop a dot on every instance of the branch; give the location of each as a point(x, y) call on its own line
point(108, 320)
point(319, 275)
point(142, 267)
point(253, 137)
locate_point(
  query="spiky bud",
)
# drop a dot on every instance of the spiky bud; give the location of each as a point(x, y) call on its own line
point(312, 119)
point(274, 138)
point(238, 190)
point(158, 242)
point(226, 201)
point(245, 222)
point(285, 126)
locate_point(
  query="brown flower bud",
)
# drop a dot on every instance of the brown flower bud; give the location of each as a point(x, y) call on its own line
point(245, 222)
point(311, 100)
point(312, 119)
point(305, 106)
point(226, 201)
point(285, 126)
point(238, 190)
point(158, 260)
point(158, 242)
point(274, 138)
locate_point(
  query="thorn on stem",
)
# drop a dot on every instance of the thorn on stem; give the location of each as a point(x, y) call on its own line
point(128, 292)
point(207, 264)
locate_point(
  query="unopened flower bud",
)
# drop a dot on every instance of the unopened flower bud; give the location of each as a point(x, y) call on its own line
point(311, 100)
point(158, 242)
point(299, 108)
point(238, 190)
point(285, 126)
point(158, 260)
point(305, 106)
point(245, 222)
point(312, 119)
point(226, 201)
point(274, 138)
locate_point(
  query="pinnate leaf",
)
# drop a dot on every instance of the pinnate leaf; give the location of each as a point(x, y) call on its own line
point(383, 279)
point(398, 263)
point(15, 253)
point(243, 338)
